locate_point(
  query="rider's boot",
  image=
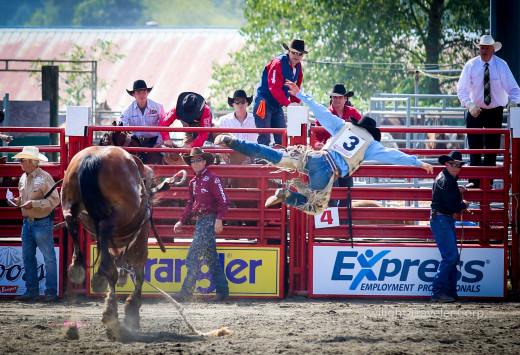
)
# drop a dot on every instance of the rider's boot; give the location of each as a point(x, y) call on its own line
point(279, 196)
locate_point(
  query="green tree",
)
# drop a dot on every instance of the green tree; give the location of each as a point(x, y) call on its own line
point(55, 13)
point(370, 45)
point(200, 13)
point(114, 13)
point(75, 74)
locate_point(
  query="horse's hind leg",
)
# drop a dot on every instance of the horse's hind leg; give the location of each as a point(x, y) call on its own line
point(76, 268)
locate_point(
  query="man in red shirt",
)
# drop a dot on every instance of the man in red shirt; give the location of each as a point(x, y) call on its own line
point(271, 94)
point(208, 203)
point(192, 111)
point(339, 106)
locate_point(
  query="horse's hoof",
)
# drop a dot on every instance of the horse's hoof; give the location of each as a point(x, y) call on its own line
point(99, 283)
point(76, 273)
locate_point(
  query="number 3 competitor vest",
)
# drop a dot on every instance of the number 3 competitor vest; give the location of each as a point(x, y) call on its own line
point(350, 142)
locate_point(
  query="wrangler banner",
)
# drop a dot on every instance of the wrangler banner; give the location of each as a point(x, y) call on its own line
point(251, 271)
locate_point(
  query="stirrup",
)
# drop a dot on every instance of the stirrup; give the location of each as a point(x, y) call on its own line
point(279, 196)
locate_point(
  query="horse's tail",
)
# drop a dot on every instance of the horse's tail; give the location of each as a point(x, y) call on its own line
point(93, 200)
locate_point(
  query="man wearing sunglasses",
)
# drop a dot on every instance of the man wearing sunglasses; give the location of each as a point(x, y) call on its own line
point(272, 95)
point(240, 117)
point(208, 203)
point(446, 203)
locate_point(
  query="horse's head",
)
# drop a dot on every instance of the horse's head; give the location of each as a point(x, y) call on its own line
point(106, 139)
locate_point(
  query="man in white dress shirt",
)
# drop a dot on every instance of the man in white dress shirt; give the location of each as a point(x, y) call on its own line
point(144, 112)
point(239, 118)
point(486, 85)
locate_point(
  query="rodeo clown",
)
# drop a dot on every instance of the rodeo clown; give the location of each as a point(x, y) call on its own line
point(342, 155)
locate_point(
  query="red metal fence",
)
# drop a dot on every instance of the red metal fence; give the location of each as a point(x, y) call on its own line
point(294, 231)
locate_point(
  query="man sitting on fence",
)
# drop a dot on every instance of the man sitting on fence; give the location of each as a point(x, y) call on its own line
point(144, 112)
point(350, 144)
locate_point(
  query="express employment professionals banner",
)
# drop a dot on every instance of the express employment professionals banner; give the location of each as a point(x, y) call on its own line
point(250, 271)
point(12, 272)
point(402, 271)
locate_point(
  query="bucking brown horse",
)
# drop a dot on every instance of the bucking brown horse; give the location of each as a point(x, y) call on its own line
point(109, 191)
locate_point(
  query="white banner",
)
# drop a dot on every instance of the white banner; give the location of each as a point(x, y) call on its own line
point(402, 271)
point(12, 272)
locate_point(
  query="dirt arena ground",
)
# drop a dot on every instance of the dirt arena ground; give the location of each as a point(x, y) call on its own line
point(291, 326)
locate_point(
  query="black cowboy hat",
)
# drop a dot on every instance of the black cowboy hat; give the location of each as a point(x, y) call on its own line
point(190, 106)
point(239, 94)
point(296, 45)
point(138, 84)
point(369, 124)
point(197, 152)
point(339, 90)
point(455, 156)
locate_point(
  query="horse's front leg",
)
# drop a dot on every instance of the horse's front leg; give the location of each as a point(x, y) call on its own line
point(133, 301)
point(110, 314)
point(138, 256)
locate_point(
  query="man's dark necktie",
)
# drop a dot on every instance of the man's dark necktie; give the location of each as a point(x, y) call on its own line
point(487, 85)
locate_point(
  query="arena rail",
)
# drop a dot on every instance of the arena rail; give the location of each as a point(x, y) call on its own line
point(292, 232)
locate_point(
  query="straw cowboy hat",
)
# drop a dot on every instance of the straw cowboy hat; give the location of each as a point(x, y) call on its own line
point(198, 152)
point(487, 40)
point(190, 106)
point(32, 153)
point(239, 94)
point(296, 45)
point(339, 90)
point(455, 156)
point(369, 124)
point(138, 85)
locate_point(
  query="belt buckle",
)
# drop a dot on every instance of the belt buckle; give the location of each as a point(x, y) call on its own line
point(30, 219)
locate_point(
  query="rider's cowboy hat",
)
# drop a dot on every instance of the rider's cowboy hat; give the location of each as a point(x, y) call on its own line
point(487, 40)
point(296, 45)
point(190, 107)
point(339, 90)
point(198, 152)
point(32, 153)
point(369, 124)
point(240, 94)
point(455, 156)
point(138, 85)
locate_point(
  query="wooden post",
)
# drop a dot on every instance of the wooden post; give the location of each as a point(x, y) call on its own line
point(50, 91)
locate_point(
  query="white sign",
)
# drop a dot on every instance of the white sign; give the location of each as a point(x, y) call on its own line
point(402, 271)
point(78, 117)
point(296, 116)
point(326, 219)
point(12, 270)
point(514, 121)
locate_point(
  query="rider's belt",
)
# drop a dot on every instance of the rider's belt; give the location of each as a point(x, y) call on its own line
point(332, 163)
point(32, 219)
point(434, 213)
point(206, 215)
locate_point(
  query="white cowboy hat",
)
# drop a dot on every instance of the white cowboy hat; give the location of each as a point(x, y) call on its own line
point(487, 40)
point(31, 152)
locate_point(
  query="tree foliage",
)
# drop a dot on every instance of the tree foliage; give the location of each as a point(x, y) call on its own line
point(370, 45)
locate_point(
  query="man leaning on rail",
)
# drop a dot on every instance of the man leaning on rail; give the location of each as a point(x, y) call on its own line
point(342, 155)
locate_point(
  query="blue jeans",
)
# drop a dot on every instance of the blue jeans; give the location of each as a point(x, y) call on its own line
point(205, 246)
point(274, 118)
point(39, 234)
point(445, 280)
point(317, 168)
